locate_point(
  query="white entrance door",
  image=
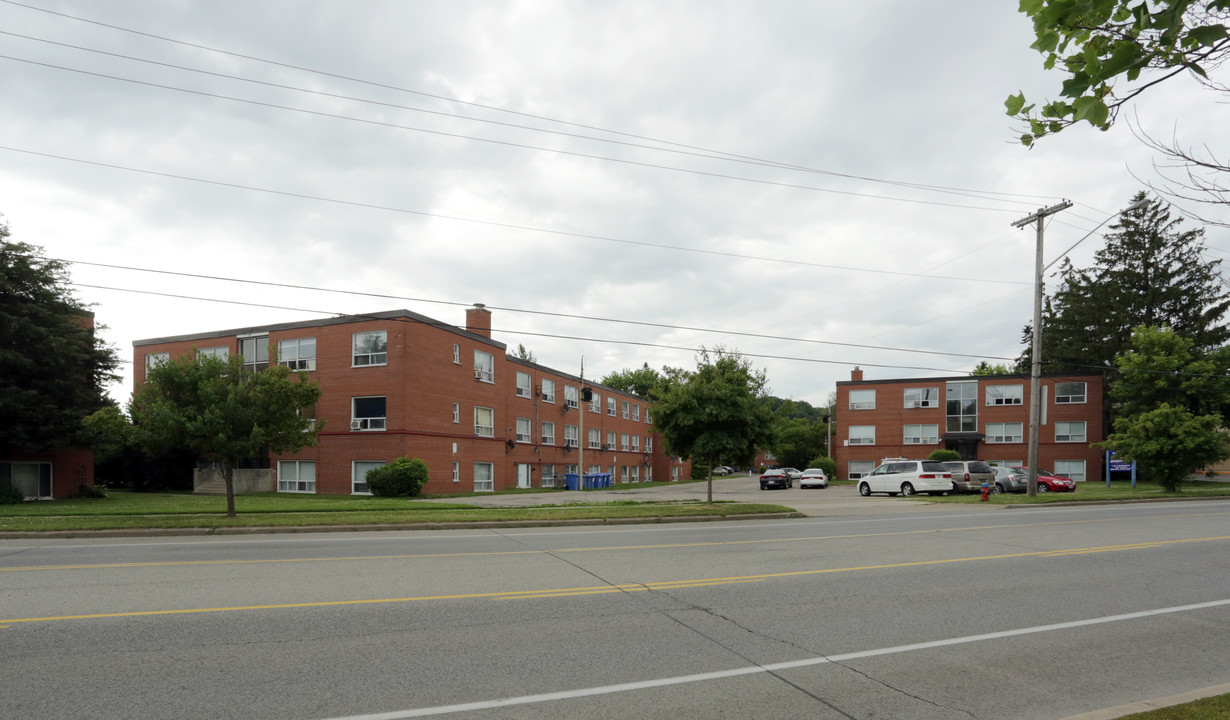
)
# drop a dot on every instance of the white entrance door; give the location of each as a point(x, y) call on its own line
point(523, 475)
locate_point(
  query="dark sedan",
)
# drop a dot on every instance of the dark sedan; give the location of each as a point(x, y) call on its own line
point(775, 479)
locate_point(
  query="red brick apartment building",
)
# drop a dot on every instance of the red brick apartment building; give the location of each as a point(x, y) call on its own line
point(399, 383)
point(983, 418)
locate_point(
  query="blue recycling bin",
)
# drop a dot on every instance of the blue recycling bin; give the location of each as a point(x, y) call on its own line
point(606, 480)
point(572, 481)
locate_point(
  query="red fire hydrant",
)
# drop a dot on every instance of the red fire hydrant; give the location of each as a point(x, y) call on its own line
point(986, 489)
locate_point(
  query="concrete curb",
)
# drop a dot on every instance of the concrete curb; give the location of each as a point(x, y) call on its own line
point(261, 530)
point(1154, 704)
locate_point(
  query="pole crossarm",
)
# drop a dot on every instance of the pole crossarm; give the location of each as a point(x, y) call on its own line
point(1043, 212)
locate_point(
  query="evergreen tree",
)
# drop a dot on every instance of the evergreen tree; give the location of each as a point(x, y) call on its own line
point(53, 369)
point(1149, 273)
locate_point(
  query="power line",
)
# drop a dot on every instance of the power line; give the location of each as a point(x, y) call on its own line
point(492, 223)
point(494, 108)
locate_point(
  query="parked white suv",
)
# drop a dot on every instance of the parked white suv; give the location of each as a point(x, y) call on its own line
point(907, 477)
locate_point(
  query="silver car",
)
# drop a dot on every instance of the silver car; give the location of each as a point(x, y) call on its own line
point(1010, 481)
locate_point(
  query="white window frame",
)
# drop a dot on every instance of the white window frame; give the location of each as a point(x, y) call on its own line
point(525, 385)
point(357, 480)
point(623, 473)
point(373, 353)
point(1062, 471)
point(548, 391)
point(456, 471)
point(547, 478)
point(456, 354)
point(221, 352)
point(610, 440)
point(291, 476)
point(548, 432)
point(487, 469)
point(998, 395)
point(484, 366)
point(636, 443)
point(636, 473)
point(258, 358)
point(649, 443)
point(863, 399)
point(1070, 436)
point(595, 402)
point(610, 406)
point(525, 430)
point(859, 468)
point(1070, 399)
point(298, 353)
point(594, 439)
point(1005, 432)
point(571, 396)
point(572, 436)
point(647, 420)
point(921, 434)
point(649, 473)
point(368, 423)
point(917, 397)
point(480, 429)
point(153, 360)
point(860, 435)
point(623, 441)
point(457, 413)
point(623, 409)
point(636, 412)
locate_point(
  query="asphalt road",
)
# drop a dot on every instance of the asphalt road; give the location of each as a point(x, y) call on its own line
point(891, 609)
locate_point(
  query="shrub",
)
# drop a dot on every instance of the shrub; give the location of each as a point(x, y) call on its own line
point(87, 492)
point(10, 495)
point(827, 464)
point(404, 477)
point(944, 455)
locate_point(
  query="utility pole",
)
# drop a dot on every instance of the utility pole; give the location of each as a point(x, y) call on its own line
point(1035, 373)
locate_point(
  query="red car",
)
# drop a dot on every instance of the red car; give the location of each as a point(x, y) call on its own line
point(1048, 482)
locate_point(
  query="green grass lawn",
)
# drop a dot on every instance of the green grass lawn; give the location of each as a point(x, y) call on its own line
point(1213, 708)
point(1091, 491)
point(128, 510)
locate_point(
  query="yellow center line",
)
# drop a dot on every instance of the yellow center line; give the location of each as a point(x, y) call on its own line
point(605, 548)
point(603, 589)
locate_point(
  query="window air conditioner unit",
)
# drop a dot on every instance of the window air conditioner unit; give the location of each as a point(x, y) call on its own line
point(356, 424)
point(914, 404)
point(478, 374)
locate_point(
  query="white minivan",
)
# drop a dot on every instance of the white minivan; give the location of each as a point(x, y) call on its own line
point(907, 477)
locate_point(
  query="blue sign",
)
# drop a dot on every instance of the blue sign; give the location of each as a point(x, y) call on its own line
point(1114, 464)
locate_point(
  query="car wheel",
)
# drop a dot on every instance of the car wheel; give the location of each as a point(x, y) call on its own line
point(864, 489)
point(1043, 488)
point(907, 489)
point(997, 489)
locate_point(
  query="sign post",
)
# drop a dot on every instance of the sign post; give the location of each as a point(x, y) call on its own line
point(1114, 464)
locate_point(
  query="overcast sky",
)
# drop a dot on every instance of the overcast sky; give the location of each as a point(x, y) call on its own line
point(615, 160)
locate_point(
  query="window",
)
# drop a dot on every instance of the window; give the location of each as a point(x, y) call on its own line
point(860, 435)
point(32, 479)
point(525, 430)
point(367, 413)
point(219, 352)
point(297, 354)
point(1005, 394)
point(548, 433)
point(153, 360)
point(296, 476)
point(623, 474)
point(1070, 431)
point(610, 470)
point(859, 468)
point(922, 397)
point(1007, 463)
point(1005, 432)
point(636, 474)
point(571, 469)
point(571, 436)
point(594, 470)
point(962, 406)
point(1069, 393)
point(623, 441)
point(255, 352)
point(636, 412)
point(862, 399)
point(548, 475)
point(358, 476)
point(610, 440)
point(595, 403)
point(548, 391)
point(648, 473)
point(648, 443)
point(456, 355)
point(484, 477)
point(570, 396)
point(523, 384)
point(647, 415)
point(456, 472)
point(1074, 469)
point(595, 438)
point(484, 422)
point(457, 413)
point(484, 366)
point(623, 409)
point(922, 434)
point(636, 443)
point(610, 406)
point(674, 473)
point(369, 348)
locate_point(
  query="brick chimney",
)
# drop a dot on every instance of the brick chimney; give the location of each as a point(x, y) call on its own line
point(478, 320)
point(856, 375)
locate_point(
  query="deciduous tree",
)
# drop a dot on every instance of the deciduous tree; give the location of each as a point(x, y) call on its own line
point(224, 410)
point(716, 412)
